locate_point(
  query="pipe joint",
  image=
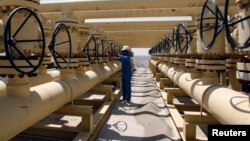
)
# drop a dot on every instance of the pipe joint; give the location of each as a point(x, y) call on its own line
point(18, 86)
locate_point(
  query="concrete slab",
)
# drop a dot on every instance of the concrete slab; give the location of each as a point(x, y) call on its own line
point(145, 118)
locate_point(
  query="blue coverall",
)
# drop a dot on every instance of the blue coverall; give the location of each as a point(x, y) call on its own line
point(126, 76)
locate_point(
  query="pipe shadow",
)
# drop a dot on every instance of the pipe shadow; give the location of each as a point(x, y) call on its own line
point(145, 91)
point(140, 86)
point(110, 135)
point(129, 107)
point(138, 106)
point(146, 96)
point(235, 102)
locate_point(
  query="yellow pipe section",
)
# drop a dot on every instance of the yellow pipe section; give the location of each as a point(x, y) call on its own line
point(34, 81)
point(19, 113)
point(153, 64)
point(226, 105)
point(2, 87)
point(44, 78)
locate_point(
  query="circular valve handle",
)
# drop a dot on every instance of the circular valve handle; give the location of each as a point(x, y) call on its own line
point(109, 49)
point(184, 38)
point(54, 46)
point(90, 49)
point(210, 6)
point(99, 47)
point(13, 41)
point(161, 47)
point(117, 49)
point(174, 40)
point(231, 23)
point(169, 44)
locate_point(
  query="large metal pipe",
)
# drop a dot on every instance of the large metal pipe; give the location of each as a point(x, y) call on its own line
point(153, 64)
point(19, 113)
point(226, 105)
point(34, 81)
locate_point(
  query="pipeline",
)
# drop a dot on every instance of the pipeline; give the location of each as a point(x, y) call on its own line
point(41, 78)
point(44, 78)
point(226, 105)
point(34, 81)
point(19, 113)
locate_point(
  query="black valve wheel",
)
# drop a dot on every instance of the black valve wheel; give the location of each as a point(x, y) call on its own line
point(184, 38)
point(161, 46)
point(174, 40)
point(113, 50)
point(90, 49)
point(211, 7)
point(56, 46)
point(14, 41)
point(232, 23)
point(169, 44)
point(117, 49)
point(99, 46)
point(109, 49)
point(106, 46)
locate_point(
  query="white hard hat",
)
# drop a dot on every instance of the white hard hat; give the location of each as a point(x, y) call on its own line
point(126, 48)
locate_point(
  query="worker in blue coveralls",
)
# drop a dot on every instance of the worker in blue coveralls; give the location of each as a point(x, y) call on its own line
point(125, 58)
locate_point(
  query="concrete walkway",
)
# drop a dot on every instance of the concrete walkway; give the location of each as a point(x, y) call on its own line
point(144, 119)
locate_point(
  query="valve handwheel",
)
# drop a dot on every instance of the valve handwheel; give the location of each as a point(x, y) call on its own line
point(61, 29)
point(169, 44)
point(229, 24)
point(174, 40)
point(99, 46)
point(184, 38)
point(13, 41)
point(90, 49)
point(109, 50)
point(117, 49)
point(210, 6)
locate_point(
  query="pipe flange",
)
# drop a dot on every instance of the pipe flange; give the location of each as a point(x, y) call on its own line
point(243, 66)
point(84, 61)
point(231, 63)
point(171, 60)
point(210, 65)
point(190, 63)
point(179, 61)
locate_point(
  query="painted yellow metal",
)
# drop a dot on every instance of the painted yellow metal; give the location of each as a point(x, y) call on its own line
point(226, 105)
point(120, 4)
point(244, 27)
point(136, 8)
point(13, 3)
point(151, 12)
point(19, 113)
point(34, 81)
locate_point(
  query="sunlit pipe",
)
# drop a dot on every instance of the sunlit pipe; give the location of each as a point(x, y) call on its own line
point(44, 78)
point(153, 64)
point(226, 105)
point(34, 81)
point(18, 113)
